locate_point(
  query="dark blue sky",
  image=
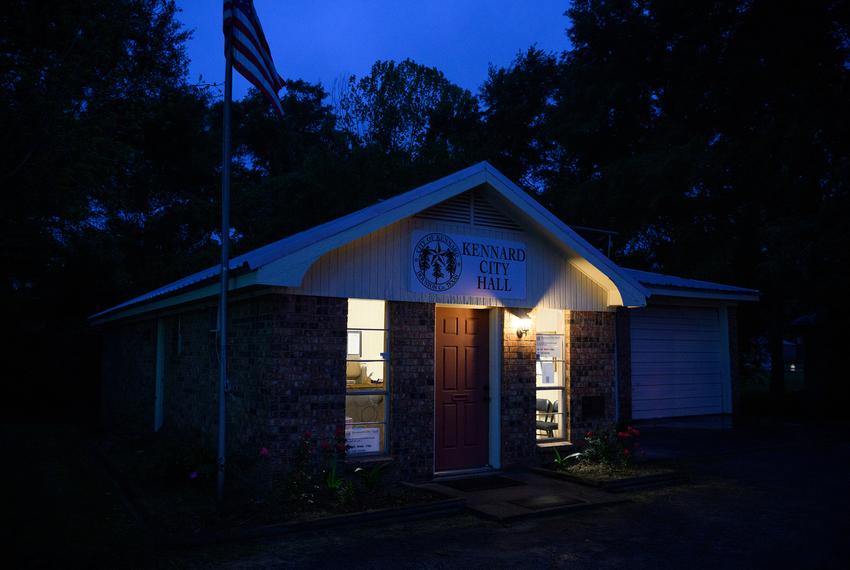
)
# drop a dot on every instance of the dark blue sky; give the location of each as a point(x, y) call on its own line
point(324, 40)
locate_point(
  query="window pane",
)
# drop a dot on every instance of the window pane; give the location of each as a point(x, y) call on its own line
point(365, 438)
point(365, 375)
point(550, 414)
point(549, 321)
point(550, 373)
point(550, 360)
point(369, 344)
point(364, 408)
point(366, 314)
point(364, 423)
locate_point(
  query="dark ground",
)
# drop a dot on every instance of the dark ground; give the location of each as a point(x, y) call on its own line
point(775, 496)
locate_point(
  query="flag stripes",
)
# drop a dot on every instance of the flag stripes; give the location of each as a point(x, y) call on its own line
point(251, 54)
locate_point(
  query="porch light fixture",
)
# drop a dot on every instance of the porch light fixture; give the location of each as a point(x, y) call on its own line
point(522, 326)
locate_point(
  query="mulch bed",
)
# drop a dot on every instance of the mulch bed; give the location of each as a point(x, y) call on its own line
point(182, 509)
point(636, 477)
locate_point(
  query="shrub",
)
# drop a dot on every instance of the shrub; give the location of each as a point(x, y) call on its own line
point(610, 448)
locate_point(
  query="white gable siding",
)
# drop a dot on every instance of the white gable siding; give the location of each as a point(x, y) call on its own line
point(377, 266)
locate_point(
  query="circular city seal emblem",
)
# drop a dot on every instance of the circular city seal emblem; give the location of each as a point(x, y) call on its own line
point(437, 262)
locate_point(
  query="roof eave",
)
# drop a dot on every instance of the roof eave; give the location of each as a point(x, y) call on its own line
point(205, 289)
point(679, 292)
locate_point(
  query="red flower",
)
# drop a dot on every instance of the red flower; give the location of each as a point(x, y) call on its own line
point(340, 431)
point(626, 452)
point(264, 452)
point(325, 445)
point(634, 431)
point(589, 434)
point(623, 434)
point(308, 435)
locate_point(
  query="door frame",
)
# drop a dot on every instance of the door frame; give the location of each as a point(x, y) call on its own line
point(495, 344)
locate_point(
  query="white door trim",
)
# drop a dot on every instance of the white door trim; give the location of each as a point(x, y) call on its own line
point(496, 334)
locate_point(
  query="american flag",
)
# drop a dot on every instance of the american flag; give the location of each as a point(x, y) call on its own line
point(251, 54)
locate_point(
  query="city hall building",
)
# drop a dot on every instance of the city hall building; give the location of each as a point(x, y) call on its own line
point(459, 326)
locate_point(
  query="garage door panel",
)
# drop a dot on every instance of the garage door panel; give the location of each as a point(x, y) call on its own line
point(677, 410)
point(676, 362)
point(652, 379)
point(679, 312)
point(676, 335)
point(674, 403)
point(680, 321)
point(666, 391)
point(670, 356)
point(674, 324)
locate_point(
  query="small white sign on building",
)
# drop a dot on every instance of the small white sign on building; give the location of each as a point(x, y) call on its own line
point(550, 355)
point(363, 439)
point(457, 264)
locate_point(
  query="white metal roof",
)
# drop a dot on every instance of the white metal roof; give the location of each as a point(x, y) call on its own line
point(670, 285)
point(286, 261)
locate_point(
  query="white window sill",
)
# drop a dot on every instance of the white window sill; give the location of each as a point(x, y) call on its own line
point(368, 458)
point(547, 444)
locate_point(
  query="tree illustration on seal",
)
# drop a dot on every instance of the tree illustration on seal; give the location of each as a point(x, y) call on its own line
point(425, 258)
point(437, 262)
point(451, 261)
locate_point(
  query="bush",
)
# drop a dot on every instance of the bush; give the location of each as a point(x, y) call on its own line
point(318, 480)
point(610, 448)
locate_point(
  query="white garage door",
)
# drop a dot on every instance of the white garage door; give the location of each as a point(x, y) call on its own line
point(678, 360)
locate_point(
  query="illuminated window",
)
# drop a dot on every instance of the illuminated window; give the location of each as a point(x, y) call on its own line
point(366, 379)
point(550, 409)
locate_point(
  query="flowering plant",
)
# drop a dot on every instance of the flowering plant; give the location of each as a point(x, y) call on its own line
point(317, 472)
point(610, 448)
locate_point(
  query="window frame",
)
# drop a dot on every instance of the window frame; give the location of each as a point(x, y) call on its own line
point(561, 388)
point(385, 391)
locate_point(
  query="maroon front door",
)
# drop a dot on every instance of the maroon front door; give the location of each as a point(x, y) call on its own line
point(462, 386)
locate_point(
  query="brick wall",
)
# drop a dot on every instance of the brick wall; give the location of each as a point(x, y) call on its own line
point(190, 381)
point(590, 366)
point(302, 367)
point(127, 371)
point(518, 394)
point(286, 363)
point(624, 361)
point(411, 348)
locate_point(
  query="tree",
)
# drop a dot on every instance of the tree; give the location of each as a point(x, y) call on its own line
point(711, 134)
point(408, 107)
point(97, 202)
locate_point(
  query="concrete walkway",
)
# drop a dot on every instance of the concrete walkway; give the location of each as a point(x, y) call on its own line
point(521, 494)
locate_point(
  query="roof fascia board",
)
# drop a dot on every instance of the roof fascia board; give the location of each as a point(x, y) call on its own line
point(210, 290)
point(710, 295)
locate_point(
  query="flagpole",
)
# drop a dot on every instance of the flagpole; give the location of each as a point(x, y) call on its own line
point(225, 262)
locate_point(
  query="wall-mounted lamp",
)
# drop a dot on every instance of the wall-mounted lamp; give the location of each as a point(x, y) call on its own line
point(522, 326)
